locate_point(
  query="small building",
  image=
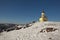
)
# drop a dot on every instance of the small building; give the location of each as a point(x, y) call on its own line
point(43, 17)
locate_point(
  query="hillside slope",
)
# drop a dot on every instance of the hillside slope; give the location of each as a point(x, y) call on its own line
point(38, 31)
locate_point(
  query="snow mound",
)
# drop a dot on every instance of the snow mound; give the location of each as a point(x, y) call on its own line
point(33, 32)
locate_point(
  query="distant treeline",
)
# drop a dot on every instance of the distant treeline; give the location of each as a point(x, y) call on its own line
point(9, 27)
point(3, 27)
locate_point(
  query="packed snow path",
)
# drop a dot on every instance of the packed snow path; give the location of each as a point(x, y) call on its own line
point(33, 32)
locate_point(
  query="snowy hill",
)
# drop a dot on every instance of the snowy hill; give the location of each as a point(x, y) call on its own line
point(38, 31)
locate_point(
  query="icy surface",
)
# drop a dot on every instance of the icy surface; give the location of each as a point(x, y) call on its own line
point(33, 32)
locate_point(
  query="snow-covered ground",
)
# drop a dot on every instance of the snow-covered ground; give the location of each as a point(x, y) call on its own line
point(33, 32)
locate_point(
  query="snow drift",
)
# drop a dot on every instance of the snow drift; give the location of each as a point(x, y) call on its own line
point(38, 31)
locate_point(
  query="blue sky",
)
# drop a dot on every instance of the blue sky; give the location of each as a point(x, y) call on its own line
point(24, 11)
